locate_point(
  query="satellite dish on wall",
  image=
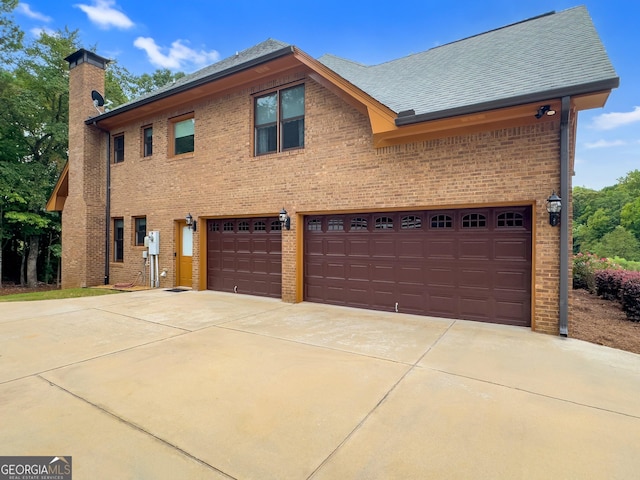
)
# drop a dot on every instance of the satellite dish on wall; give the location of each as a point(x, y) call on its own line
point(98, 100)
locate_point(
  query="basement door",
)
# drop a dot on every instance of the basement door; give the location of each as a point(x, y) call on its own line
point(244, 255)
point(472, 264)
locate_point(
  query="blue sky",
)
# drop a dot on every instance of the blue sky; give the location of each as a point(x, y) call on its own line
point(187, 35)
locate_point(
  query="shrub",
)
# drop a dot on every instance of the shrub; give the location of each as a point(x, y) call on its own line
point(627, 264)
point(609, 282)
point(631, 298)
point(584, 267)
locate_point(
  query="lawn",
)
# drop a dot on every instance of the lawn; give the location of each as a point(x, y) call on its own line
point(7, 295)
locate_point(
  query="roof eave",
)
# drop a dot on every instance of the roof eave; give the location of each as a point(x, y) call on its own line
point(288, 50)
point(511, 101)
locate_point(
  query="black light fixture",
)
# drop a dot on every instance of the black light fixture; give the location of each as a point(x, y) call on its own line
point(554, 206)
point(191, 223)
point(545, 110)
point(285, 220)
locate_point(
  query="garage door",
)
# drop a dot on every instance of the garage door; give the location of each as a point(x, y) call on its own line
point(244, 255)
point(470, 264)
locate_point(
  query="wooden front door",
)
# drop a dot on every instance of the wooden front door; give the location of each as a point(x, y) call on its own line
point(184, 255)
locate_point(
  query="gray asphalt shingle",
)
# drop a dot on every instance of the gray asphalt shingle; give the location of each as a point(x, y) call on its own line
point(551, 52)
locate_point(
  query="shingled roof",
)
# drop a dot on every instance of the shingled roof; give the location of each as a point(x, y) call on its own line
point(549, 56)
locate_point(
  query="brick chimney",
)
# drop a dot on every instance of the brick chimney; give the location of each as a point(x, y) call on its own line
point(83, 217)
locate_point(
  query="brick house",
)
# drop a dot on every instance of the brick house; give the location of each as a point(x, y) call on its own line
point(419, 185)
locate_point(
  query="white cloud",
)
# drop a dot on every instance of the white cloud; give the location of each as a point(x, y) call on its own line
point(36, 32)
point(178, 55)
point(605, 143)
point(25, 9)
point(104, 15)
point(609, 121)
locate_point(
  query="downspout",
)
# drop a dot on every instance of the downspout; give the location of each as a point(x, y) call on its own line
point(564, 216)
point(107, 213)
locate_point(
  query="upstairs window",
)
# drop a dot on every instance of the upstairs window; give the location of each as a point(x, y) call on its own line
point(279, 121)
point(183, 135)
point(147, 141)
point(118, 149)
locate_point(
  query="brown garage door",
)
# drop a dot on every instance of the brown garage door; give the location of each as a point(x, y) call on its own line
point(244, 255)
point(471, 264)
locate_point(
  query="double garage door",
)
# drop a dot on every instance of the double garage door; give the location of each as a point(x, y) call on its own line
point(471, 264)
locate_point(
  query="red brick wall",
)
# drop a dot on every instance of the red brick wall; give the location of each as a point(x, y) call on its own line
point(337, 170)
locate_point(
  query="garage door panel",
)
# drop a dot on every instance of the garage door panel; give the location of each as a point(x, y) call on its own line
point(466, 263)
point(335, 246)
point(507, 311)
point(358, 271)
point(335, 271)
point(410, 275)
point(512, 249)
point(381, 248)
point(440, 277)
point(474, 249)
point(358, 247)
point(475, 307)
point(474, 278)
point(512, 280)
point(410, 249)
point(441, 248)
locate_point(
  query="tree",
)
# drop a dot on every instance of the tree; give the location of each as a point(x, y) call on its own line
point(619, 243)
point(630, 217)
point(10, 35)
point(34, 124)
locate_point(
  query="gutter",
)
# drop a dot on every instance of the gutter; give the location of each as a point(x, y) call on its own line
point(107, 213)
point(407, 118)
point(564, 216)
point(194, 84)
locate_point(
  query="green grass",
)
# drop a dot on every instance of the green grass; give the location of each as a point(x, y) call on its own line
point(57, 294)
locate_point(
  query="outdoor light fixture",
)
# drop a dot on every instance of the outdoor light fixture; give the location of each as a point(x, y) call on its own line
point(285, 220)
point(545, 110)
point(554, 206)
point(191, 223)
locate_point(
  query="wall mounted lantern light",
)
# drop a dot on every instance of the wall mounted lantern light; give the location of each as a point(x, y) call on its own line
point(545, 110)
point(554, 206)
point(191, 223)
point(285, 220)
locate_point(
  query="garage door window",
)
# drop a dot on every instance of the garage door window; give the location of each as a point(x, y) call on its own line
point(335, 225)
point(314, 225)
point(411, 222)
point(259, 227)
point(358, 223)
point(441, 221)
point(384, 223)
point(275, 225)
point(474, 220)
point(510, 219)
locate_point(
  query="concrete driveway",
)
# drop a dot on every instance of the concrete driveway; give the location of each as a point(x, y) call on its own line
point(206, 385)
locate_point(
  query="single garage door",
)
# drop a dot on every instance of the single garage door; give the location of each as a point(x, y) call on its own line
point(244, 255)
point(472, 264)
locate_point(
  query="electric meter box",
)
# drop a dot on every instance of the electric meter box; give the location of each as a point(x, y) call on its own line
point(154, 243)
